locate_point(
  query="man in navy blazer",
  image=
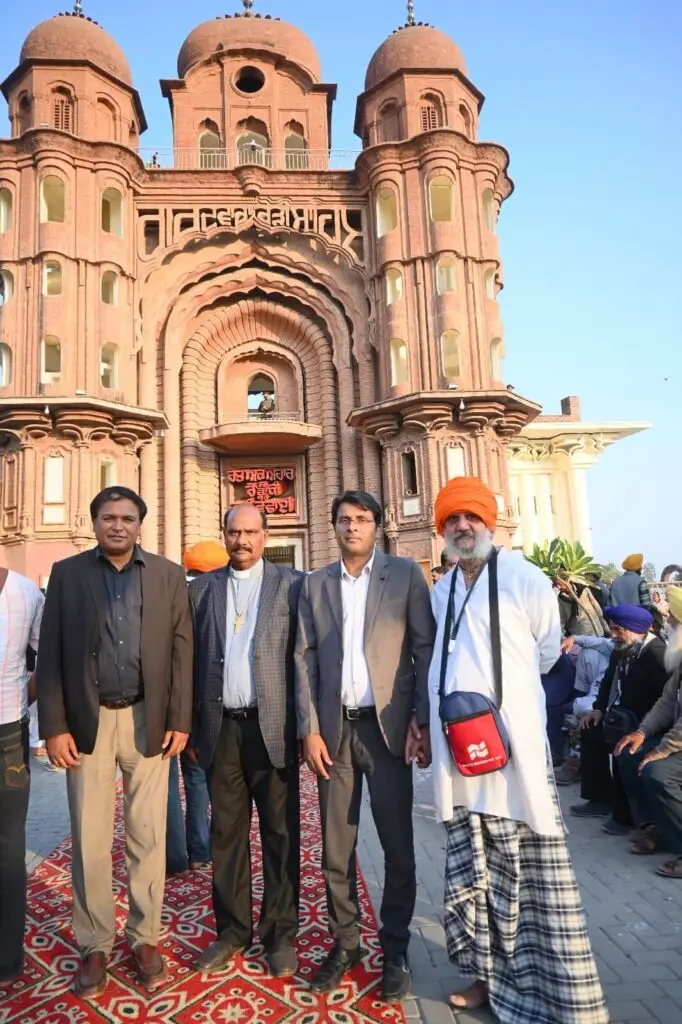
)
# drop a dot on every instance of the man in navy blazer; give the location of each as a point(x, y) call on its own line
point(245, 738)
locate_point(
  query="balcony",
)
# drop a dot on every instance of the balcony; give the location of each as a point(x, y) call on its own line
point(257, 433)
point(247, 156)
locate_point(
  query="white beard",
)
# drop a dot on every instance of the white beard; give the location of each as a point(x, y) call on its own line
point(673, 651)
point(479, 552)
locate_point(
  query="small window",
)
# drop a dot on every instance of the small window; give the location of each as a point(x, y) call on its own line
point(105, 116)
point(112, 211)
point(295, 152)
point(394, 286)
point(53, 490)
point(440, 198)
point(211, 154)
point(52, 360)
point(399, 368)
point(109, 287)
point(52, 200)
point(387, 211)
point(409, 467)
point(446, 275)
point(467, 121)
point(449, 346)
point(430, 113)
point(107, 473)
point(488, 209)
point(52, 278)
point(5, 365)
point(388, 125)
point(249, 80)
point(5, 210)
point(108, 366)
point(6, 286)
point(253, 143)
point(152, 236)
point(24, 114)
point(489, 284)
point(63, 111)
point(496, 359)
point(261, 394)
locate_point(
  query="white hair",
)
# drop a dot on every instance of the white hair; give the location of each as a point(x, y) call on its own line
point(479, 552)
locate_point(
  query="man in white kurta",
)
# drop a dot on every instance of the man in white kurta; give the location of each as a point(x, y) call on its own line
point(513, 917)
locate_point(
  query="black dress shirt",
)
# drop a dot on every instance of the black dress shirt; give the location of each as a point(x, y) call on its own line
point(120, 668)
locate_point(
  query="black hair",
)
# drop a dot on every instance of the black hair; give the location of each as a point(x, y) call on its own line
point(444, 559)
point(361, 499)
point(117, 494)
point(238, 504)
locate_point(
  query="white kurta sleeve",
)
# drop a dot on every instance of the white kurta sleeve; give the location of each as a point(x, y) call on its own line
point(543, 612)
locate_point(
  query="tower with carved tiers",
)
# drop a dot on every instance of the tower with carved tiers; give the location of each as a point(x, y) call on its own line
point(150, 300)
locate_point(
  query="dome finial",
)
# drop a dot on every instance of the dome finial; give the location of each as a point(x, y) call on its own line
point(77, 6)
point(248, 4)
point(410, 12)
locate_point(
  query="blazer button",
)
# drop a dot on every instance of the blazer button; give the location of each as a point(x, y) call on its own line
point(338, 693)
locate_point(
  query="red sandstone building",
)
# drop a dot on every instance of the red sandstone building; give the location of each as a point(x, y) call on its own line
point(239, 318)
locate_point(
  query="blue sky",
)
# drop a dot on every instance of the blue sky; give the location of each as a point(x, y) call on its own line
point(586, 96)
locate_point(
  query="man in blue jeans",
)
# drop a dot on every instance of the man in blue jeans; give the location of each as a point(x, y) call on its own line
point(650, 759)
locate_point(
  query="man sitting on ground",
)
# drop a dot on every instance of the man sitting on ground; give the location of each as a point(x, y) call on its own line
point(592, 655)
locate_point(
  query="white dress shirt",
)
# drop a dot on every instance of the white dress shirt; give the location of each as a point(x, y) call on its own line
point(21, 610)
point(356, 686)
point(239, 685)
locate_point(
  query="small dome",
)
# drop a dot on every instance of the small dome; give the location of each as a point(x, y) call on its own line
point(414, 47)
point(240, 31)
point(75, 37)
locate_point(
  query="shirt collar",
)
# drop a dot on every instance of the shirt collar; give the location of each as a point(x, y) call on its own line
point(345, 575)
point(245, 574)
point(136, 558)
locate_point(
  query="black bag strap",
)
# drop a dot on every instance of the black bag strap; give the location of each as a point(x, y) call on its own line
point(450, 632)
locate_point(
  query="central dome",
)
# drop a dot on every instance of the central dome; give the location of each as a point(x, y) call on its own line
point(75, 37)
point(414, 48)
point(239, 31)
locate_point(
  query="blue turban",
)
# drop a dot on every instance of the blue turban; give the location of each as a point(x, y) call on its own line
point(631, 617)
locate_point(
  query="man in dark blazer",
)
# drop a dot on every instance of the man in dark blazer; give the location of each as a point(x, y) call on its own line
point(365, 639)
point(245, 738)
point(114, 682)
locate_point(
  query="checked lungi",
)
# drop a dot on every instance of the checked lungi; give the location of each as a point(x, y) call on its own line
point(514, 919)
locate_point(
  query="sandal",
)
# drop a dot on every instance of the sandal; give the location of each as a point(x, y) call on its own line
point(671, 868)
point(648, 842)
point(472, 998)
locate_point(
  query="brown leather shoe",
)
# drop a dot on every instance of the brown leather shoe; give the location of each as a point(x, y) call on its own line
point(151, 967)
point(91, 980)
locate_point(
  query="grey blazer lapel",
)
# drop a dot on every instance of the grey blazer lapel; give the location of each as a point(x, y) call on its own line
point(268, 592)
point(377, 582)
point(219, 603)
point(332, 589)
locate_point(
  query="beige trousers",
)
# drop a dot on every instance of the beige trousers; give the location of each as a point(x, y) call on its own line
point(91, 791)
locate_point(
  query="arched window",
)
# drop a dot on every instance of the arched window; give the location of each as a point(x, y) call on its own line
point(107, 473)
point(441, 198)
point(105, 118)
point(5, 365)
point(449, 347)
point(52, 278)
point(6, 286)
point(430, 113)
point(446, 275)
point(54, 511)
point(496, 359)
point(253, 144)
point(24, 114)
point(5, 210)
point(387, 211)
point(488, 209)
point(51, 368)
point(63, 111)
point(489, 284)
point(467, 121)
point(109, 288)
point(295, 153)
point(108, 366)
point(409, 467)
point(112, 211)
point(399, 368)
point(388, 124)
point(394, 286)
point(210, 150)
point(52, 200)
point(261, 395)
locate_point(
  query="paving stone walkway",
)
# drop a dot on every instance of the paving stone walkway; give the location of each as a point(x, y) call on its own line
point(634, 916)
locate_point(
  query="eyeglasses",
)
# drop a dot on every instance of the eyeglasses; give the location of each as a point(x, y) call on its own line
point(349, 521)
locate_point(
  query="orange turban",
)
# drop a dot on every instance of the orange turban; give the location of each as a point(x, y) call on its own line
point(633, 563)
point(205, 556)
point(465, 494)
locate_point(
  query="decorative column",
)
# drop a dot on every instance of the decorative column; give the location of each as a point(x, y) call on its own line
point(529, 522)
point(172, 474)
point(543, 492)
point(580, 504)
point(149, 489)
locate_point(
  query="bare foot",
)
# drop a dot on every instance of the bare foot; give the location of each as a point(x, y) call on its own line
point(472, 998)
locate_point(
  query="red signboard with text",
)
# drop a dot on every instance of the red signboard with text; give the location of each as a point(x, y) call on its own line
point(270, 488)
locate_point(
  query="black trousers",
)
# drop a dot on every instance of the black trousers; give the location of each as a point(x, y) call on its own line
point(240, 776)
point(363, 753)
point(598, 780)
point(14, 791)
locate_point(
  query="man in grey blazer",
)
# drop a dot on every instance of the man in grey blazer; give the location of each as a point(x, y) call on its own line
point(364, 644)
point(245, 739)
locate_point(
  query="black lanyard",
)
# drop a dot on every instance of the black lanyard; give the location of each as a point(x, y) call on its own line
point(451, 630)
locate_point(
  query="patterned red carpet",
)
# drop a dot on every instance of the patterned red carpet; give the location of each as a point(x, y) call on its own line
point(245, 994)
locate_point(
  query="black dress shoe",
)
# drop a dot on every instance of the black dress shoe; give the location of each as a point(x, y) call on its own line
point(282, 961)
point(338, 963)
point(217, 956)
point(396, 984)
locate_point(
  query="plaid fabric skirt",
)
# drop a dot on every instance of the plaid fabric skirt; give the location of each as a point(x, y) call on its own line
point(514, 919)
